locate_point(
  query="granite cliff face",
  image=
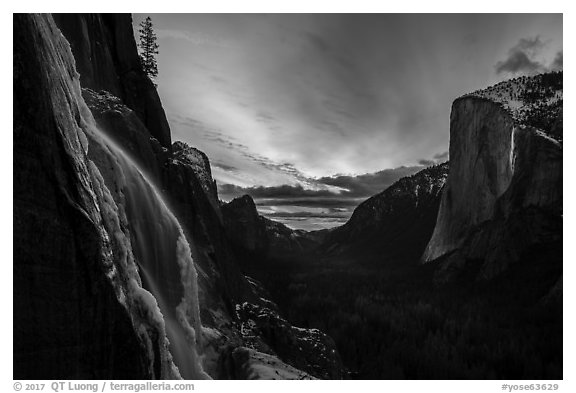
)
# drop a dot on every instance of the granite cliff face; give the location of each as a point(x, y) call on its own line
point(504, 191)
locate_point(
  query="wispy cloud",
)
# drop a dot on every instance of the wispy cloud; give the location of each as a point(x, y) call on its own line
point(195, 38)
point(225, 167)
point(425, 162)
point(278, 192)
point(441, 157)
point(437, 159)
point(335, 202)
point(232, 144)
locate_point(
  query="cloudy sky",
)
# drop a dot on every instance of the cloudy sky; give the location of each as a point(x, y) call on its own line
point(311, 114)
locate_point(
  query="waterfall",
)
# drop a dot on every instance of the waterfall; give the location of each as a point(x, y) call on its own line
point(155, 248)
point(143, 250)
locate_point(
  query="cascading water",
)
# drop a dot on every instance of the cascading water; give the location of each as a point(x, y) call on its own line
point(159, 248)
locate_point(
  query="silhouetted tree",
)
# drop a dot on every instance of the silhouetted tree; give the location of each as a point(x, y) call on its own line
point(148, 48)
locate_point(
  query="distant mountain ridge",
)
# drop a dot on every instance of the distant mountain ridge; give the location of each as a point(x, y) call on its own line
point(395, 225)
point(403, 213)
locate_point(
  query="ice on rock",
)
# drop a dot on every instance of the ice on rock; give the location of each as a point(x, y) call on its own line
point(160, 246)
point(258, 365)
point(161, 255)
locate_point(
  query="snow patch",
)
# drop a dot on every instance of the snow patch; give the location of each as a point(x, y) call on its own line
point(264, 366)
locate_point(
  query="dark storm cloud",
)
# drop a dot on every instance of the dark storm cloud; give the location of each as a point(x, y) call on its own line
point(530, 45)
point(437, 159)
point(333, 202)
point(521, 58)
point(281, 192)
point(424, 162)
point(347, 190)
point(332, 214)
point(518, 62)
point(368, 184)
point(291, 196)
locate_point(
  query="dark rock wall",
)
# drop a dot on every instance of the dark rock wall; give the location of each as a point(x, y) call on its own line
point(221, 281)
point(393, 227)
point(128, 130)
point(107, 59)
point(309, 350)
point(68, 323)
point(254, 236)
point(243, 224)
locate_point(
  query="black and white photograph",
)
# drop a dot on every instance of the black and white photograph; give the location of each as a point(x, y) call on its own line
point(288, 196)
